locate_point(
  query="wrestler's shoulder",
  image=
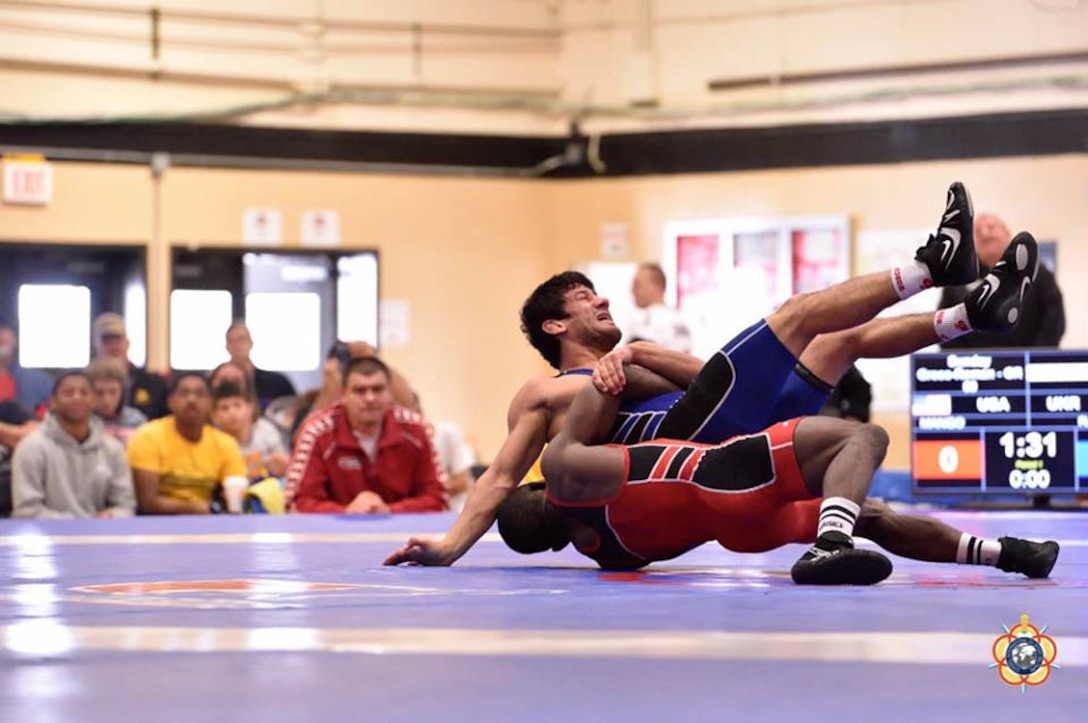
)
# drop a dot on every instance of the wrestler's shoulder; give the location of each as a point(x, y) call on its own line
point(548, 390)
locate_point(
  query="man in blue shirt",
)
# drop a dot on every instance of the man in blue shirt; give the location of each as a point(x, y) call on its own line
point(29, 388)
point(15, 423)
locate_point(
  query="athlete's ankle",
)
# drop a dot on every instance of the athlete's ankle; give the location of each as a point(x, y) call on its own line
point(834, 540)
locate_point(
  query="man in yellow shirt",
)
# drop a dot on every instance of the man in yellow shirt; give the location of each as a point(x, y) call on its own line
point(178, 461)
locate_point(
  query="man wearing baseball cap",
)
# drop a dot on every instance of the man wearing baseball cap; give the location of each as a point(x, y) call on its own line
point(144, 390)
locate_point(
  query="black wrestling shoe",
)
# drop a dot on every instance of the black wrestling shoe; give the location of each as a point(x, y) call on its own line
point(1034, 559)
point(950, 253)
point(995, 305)
point(843, 565)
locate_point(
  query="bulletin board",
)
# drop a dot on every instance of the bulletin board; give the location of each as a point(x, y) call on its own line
point(731, 271)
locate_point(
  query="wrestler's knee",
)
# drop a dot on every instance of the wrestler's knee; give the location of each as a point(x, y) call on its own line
point(792, 312)
point(874, 437)
point(792, 323)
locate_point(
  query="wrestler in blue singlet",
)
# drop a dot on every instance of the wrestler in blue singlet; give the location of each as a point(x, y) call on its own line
point(749, 384)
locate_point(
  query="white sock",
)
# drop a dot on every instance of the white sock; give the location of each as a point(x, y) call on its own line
point(838, 514)
point(911, 278)
point(977, 551)
point(952, 322)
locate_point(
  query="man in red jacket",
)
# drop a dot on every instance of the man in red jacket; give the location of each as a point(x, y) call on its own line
point(364, 454)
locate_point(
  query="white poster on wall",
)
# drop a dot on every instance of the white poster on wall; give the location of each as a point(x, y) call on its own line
point(262, 227)
point(879, 251)
point(321, 228)
point(615, 243)
point(394, 323)
point(28, 180)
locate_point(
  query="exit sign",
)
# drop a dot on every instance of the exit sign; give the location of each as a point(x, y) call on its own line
point(28, 181)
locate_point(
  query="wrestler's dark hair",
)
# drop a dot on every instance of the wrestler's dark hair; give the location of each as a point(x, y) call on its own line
point(527, 524)
point(545, 303)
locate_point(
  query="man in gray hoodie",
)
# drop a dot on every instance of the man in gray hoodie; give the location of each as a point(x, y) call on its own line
point(69, 467)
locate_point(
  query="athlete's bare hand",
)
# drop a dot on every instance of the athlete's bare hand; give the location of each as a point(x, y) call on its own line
point(422, 551)
point(608, 375)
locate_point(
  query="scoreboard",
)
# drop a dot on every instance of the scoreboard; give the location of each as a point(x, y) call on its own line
point(1000, 422)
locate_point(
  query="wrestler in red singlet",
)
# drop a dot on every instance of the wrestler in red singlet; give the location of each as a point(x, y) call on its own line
point(747, 493)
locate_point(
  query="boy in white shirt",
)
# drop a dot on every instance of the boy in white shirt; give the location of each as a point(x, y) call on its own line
point(262, 444)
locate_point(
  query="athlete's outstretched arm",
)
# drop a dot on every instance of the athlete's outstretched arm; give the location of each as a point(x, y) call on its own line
point(527, 421)
point(677, 367)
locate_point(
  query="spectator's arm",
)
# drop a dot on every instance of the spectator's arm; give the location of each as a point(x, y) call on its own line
point(275, 456)
point(150, 502)
point(458, 482)
point(401, 389)
point(28, 470)
point(428, 482)
point(12, 434)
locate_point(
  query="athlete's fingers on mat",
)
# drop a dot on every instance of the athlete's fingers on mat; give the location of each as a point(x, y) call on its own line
point(404, 554)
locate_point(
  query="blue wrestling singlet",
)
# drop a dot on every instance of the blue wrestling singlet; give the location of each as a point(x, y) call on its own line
point(750, 383)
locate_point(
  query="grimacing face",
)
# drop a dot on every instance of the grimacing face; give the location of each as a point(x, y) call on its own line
point(588, 317)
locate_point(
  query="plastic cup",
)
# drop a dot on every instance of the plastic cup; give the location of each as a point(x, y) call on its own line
point(234, 491)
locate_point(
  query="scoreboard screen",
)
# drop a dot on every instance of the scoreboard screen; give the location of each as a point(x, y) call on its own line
point(998, 422)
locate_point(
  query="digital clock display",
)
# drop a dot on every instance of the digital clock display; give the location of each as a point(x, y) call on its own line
point(1000, 422)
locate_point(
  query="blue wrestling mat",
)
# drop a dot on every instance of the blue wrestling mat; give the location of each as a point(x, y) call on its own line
point(294, 619)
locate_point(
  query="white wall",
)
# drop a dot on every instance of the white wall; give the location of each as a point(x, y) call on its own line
point(530, 64)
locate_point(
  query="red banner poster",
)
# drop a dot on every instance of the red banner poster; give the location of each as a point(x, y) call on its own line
point(819, 260)
point(696, 267)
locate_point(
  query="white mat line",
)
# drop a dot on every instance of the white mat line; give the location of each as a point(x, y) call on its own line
point(47, 638)
point(38, 541)
point(251, 538)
